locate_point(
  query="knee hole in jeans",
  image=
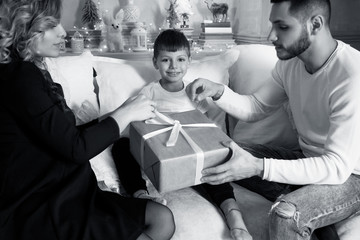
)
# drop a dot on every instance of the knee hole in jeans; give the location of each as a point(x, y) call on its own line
point(285, 209)
point(288, 210)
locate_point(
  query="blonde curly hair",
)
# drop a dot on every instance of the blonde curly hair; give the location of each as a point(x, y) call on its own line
point(22, 24)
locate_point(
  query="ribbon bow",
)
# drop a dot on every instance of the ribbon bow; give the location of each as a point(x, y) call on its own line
point(176, 127)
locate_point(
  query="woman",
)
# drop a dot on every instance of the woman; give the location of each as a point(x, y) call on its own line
point(47, 188)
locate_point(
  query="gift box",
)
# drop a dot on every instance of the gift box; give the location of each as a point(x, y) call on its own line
point(198, 146)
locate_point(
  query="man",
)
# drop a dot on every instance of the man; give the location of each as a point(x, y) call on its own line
point(320, 77)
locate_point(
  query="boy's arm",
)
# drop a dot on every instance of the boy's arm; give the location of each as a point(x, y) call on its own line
point(147, 90)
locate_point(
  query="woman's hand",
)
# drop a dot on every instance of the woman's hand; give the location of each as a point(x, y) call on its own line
point(202, 88)
point(241, 165)
point(136, 108)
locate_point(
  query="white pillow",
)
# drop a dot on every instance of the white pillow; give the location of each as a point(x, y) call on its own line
point(251, 70)
point(75, 74)
point(214, 68)
point(120, 79)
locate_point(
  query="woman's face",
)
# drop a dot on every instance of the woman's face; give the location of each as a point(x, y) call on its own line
point(49, 45)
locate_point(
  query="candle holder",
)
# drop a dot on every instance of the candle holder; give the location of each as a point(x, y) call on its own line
point(77, 43)
point(139, 38)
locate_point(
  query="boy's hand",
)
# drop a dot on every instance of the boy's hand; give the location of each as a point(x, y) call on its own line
point(202, 88)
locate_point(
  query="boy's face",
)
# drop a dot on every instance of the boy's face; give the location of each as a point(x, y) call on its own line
point(172, 65)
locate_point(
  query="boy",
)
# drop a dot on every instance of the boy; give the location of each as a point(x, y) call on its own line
point(172, 58)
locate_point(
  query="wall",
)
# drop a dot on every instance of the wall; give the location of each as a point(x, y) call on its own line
point(345, 23)
point(249, 18)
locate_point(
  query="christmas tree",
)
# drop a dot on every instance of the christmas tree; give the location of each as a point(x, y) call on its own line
point(90, 14)
point(172, 17)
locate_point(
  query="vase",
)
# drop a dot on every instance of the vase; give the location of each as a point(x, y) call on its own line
point(131, 12)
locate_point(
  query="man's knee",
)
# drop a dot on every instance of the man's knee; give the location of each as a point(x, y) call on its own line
point(285, 209)
point(285, 217)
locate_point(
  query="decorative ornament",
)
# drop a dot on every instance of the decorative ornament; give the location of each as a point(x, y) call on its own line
point(139, 38)
point(218, 10)
point(114, 37)
point(184, 11)
point(172, 17)
point(131, 12)
point(77, 43)
point(90, 15)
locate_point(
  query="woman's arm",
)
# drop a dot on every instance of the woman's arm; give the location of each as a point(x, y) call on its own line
point(46, 123)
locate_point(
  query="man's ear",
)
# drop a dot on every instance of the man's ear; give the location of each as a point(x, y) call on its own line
point(317, 23)
point(154, 63)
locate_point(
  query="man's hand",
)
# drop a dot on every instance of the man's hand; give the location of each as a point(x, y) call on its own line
point(241, 165)
point(202, 88)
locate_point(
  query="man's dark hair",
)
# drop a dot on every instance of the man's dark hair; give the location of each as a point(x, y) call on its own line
point(171, 40)
point(305, 9)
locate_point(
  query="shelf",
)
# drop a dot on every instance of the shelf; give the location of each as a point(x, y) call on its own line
point(140, 56)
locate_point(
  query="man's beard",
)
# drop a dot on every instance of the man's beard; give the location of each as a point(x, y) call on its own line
point(297, 48)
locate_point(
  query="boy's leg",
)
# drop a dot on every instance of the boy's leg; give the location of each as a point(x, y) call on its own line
point(297, 214)
point(128, 169)
point(223, 196)
point(219, 193)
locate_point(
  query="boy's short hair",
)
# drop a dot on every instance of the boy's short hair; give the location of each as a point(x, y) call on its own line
point(171, 40)
point(305, 9)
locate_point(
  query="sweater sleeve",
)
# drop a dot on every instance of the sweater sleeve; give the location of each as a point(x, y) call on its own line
point(247, 108)
point(47, 124)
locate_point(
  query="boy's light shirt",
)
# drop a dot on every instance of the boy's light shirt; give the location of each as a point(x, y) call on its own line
point(172, 101)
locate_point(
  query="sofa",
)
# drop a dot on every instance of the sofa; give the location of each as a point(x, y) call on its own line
point(244, 68)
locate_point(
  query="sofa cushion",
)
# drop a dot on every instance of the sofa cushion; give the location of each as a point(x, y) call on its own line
point(120, 79)
point(251, 70)
point(75, 74)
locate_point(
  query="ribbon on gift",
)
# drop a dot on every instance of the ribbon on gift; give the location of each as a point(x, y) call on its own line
point(176, 127)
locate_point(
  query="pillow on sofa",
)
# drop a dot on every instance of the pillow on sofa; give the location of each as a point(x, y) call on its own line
point(75, 74)
point(215, 68)
point(120, 79)
point(249, 72)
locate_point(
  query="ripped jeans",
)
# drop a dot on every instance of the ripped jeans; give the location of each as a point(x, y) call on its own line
point(299, 210)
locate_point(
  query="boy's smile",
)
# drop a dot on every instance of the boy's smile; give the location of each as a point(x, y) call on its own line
point(172, 67)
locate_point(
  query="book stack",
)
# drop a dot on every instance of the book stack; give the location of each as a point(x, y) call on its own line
point(188, 32)
point(216, 35)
